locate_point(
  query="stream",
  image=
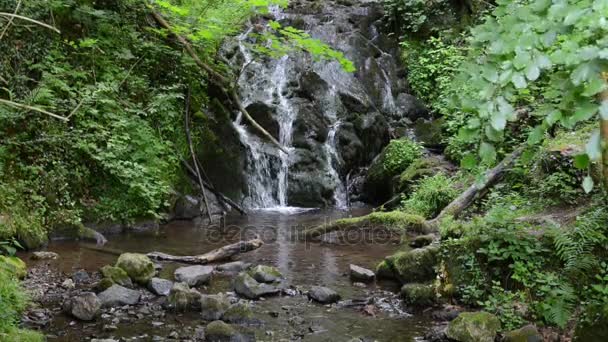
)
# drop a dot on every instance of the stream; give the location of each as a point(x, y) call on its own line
point(304, 264)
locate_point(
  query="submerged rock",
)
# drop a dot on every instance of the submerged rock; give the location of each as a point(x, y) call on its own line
point(265, 274)
point(360, 273)
point(250, 288)
point(418, 294)
point(117, 275)
point(474, 327)
point(182, 297)
point(323, 295)
point(213, 307)
point(117, 295)
point(194, 275)
point(529, 333)
point(44, 255)
point(160, 287)
point(85, 307)
point(138, 266)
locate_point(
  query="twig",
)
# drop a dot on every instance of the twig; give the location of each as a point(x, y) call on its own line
point(22, 106)
point(10, 21)
point(75, 109)
point(11, 15)
point(130, 70)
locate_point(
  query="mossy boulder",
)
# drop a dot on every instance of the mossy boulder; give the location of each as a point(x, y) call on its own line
point(474, 327)
point(529, 333)
point(138, 266)
point(592, 325)
point(213, 307)
point(13, 266)
point(117, 275)
point(239, 313)
point(265, 274)
point(384, 270)
point(421, 240)
point(182, 297)
point(217, 331)
point(419, 294)
point(416, 265)
point(104, 284)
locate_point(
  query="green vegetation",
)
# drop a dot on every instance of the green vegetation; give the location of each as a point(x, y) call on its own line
point(430, 196)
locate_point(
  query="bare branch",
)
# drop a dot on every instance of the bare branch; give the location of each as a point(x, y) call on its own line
point(10, 21)
point(11, 15)
point(35, 109)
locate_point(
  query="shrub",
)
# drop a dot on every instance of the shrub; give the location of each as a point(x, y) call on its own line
point(430, 196)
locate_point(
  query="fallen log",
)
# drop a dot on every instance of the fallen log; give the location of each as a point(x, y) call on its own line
point(215, 255)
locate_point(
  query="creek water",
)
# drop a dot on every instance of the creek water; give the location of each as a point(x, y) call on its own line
point(304, 264)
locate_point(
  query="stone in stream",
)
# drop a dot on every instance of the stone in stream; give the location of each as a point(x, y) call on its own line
point(529, 333)
point(360, 273)
point(213, 307)
point(323, 295)
point(239, 313)
point(44, 255)
point(418, 294)
point(138, 266)
point(218, 331)
point(193, 275)
point(265, 274)
point(160, 287)
point(182, 297)
point(233, 267)
point(117, 295)
point(85, 307)
point(117, 275)
point(250, 288)
point(474, 327)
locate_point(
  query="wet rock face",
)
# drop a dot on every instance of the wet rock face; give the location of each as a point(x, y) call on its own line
point(335, 121)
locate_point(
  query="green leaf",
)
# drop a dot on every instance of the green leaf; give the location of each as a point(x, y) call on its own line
point(498, 121)
point(487, 152)
point(594, 147)
point(553, 117)
point(588, 184)
point(584, 111)
point(468, 162)
point(594, 86)
point(581, 161)
point(536, 135)
point(582, 73)
point(519, 81)
point(532, 72)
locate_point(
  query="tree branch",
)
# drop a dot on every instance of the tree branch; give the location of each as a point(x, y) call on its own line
point(11, 15)
point(35, 109)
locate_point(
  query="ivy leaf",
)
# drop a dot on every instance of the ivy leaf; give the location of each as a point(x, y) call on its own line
point(604, 110)
point(581, 161)
point(588, 184)
point(487, 152)
point(519, 81)
point(593, 147)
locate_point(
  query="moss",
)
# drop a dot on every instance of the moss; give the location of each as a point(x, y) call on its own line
point(385, 270)
point(217, 330)
point(21, 335)
point(104, 284)
point(417, 265)
point(117, 275)
point(398, 221)
point(419, 294)
point(138, 266)
point(182, 297)
point(238, 313)
point(13, 266)
point(474, 327)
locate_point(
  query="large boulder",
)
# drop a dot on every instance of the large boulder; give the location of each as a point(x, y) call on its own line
point(417, 265)
point(85, 306)
point(213, 307)
point(361, 274)
point(194, 275)
point(182, 297)
point(250, 288)
point(160, 287)
point(474, 327)
point(323, 295)
point(418, 294)
point(138, 266)
point(265, 274)
point(529, 333)
point(117, 275)
point(117, 295)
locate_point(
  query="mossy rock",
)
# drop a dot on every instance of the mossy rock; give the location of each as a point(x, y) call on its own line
point(14, 266)
point(419, 294)
point(117, 275)
point(138, 266)
point(220, 331)
point(421, 240)
point(104, 284)
point(592, 325)
point(182, 297)
point(384, 270)
point(265, 274)
point(213, 307)
point(239, 313)
point(529, 333)
point(417, 265)
point(474, 327)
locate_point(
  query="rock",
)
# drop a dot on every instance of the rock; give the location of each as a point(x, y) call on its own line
point(138, 266)
point(323, 295)
point(68, 284)
point(384, 270)
point(418, 294)
point(218, 331)
point(233, 267)
point(446, 313)
point(249, 288)
point(422, 240)
point(529, 333)
point(85, 307)
point(117, 295)
point(474, 327)
point(213, 307)
point(117, 275)
point(265, 274)
point(182, 297)
point(44, 256)
point(360, 273)
point(186, 208)
point(193, 275)
point(81, 277)
point(104, 284)
point(595, 327)
point(437, 334)
point(160, 287)
point(410, 107)
point(239, 313)
point(14, 266)
point(417, 265)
